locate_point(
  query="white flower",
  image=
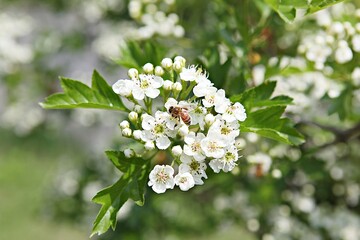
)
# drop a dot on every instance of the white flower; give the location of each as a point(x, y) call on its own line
point(197, 114)
point(189, 74)
point(343, 53)
point(137, 134)
point(355, 76)
point(234, 112)
point(147, 85)
point(185, 181)
point(225, 131)
point(195, 168)
point(227, 162)
point(216, 98)
point(174, 122)
point(123, 87)
point(203, 87)
point(161, 178)
point(193, 145)
point(213, 147)
point(356, 42)
point(156, 129)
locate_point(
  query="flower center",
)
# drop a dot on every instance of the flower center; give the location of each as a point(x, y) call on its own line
point(144, 84)
point(195, 147)
point(194, 165)
point(212, 147)
point(159, 128)
point(162, 177)
point(229, 157)
point(211, 99)
point(225, 130)
point(183, 180)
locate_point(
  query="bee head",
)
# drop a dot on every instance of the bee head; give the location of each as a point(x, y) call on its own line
point(170, 109)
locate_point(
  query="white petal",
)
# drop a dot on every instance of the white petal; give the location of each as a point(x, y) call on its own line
point(138, 93)
point(152, 92)
point(148, 122)
point(159, 187)
point(190, 138)
point(157, 82)
point(215, 165)
point(163, 142)
point(170, 102)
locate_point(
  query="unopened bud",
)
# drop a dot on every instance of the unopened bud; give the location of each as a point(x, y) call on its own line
point(183, 130)
point(138, 109)
point(129, 153)
point(209, 119)
point(148, 68)
point(149, 145)
point(176, 150)
point(126, 132)
point(178, 66)
point(124, 124)
point(137, 134)
point(180, 59)
point(133, 116)
point(167, 63)
point(133, 73)
point(176, 87)
point(159, 71)
point(168, 85)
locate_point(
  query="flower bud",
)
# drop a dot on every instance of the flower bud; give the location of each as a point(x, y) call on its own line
point(124, 124)
point(133, 116)
point(138, 109)
point(148, 68)
point(180, 59)
point(129, 153)
point(276, 173)
point(176, 150)
point(178, 66)
point(159, 71)
point(149, 145)
point(137, 134)
point(126, 132)
point(168, 85)
point(167, 63)
point(133, 73)
point(183, 130)
point(176, 87)
point(209, 119)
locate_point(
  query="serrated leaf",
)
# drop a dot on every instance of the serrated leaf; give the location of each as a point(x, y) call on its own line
point(269, 123)
point(254, 96)
point(130, 185)
point(287, 8)
point(78, 95)
point(317, 5)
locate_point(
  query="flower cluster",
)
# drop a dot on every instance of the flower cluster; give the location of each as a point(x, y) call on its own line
point(177, 109)
point(338, 39)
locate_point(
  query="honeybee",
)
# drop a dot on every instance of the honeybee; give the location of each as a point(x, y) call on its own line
point(180, 113)
point(259, 172)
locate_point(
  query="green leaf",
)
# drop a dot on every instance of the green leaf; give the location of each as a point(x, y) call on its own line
point(343, 104)
point(287, 8)
point(317, 5)
point(135, 54)
point(130, 185)
point(268, 123)
point(259, 96)
point(78, 95)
